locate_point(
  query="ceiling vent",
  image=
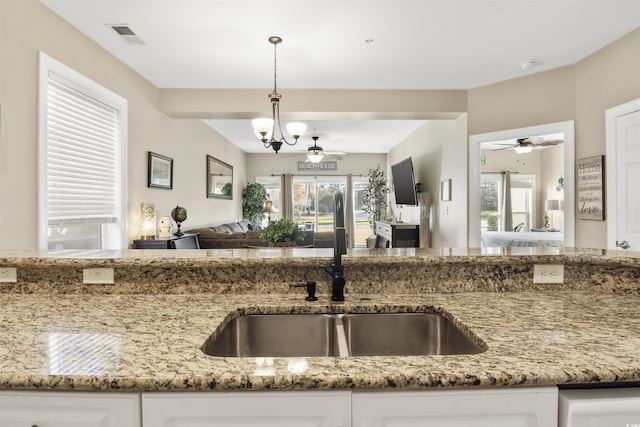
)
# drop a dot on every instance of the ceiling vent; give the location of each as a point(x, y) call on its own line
point(127, 34)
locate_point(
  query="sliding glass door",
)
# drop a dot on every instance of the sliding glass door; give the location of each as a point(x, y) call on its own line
point(313, 200)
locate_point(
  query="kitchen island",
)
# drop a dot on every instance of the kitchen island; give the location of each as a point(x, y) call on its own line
point(145, 332)
point(129, 353)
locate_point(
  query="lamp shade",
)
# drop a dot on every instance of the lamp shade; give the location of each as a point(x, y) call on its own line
point(552, 205)
point(315, 157)
point(296, 129)
point(262, 125)
point(524, 149)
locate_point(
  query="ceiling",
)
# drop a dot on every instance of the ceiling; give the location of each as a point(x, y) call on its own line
point(347, 44)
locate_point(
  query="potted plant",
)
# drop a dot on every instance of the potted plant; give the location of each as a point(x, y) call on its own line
point(282, 232)
point(375, 199)
point(253, 198)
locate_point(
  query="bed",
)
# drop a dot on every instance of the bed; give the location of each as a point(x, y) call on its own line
point(503, 239)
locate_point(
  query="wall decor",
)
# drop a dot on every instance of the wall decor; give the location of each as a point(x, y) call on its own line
point(445, 189)
point(590, 174)
point(219, 179)
point(327, 166)
point(160, 171)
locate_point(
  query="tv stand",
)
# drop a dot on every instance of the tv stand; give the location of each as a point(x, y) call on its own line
point(399, 234)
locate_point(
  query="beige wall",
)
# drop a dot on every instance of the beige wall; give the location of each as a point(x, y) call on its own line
point(605, 79)
point(439, 151)
point(26, 27)
point(581, 92)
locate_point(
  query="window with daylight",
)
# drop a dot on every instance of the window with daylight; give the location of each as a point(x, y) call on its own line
point(82, 161)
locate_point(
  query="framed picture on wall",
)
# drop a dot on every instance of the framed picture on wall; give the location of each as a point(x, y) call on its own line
point(160, 171)
point(590, 175)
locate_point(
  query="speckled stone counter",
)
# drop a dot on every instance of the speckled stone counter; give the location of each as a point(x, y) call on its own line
point(152, 342)
point(367, 271)
point(145, 332)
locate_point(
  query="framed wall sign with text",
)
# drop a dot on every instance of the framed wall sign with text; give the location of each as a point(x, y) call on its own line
point(590, 175)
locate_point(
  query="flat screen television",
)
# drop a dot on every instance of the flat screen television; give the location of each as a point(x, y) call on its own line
point(404, 184)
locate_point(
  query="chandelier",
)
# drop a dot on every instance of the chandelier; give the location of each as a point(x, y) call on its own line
point(269, 131)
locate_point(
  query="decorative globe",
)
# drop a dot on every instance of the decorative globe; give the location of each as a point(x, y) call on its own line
point(179, 214)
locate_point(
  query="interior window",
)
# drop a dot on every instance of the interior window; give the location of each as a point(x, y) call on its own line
point(82, 167)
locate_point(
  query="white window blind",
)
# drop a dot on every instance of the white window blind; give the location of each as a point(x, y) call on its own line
point(82, 152)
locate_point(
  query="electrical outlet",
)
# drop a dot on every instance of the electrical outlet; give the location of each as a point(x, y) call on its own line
point(97, 276)
point(548, 273)
point(8, 275)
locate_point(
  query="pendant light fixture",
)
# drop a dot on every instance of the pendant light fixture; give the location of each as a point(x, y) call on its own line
point(269, 131)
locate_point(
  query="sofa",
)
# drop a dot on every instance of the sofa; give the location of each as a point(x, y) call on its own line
point(243, 234)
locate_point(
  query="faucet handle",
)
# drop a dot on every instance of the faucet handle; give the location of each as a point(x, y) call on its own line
point(311, 290)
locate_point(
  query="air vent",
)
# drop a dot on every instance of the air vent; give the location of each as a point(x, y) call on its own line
point(127, 34)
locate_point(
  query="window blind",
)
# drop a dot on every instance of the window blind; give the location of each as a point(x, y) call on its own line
point(82, 157)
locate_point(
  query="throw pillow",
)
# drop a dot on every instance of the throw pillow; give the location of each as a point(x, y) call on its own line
point(235, 227)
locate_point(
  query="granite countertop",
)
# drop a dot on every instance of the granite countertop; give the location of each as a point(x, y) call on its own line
point(152, 342)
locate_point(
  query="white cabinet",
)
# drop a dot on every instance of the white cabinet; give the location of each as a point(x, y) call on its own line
point(247, 409)
point(531, 407)
point(607, 407)
point(69, 409)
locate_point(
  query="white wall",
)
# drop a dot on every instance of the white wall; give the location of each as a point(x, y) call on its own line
point(439, 151)
point(26, 27)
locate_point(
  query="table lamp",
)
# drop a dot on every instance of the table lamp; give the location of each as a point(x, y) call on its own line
point(552, 205)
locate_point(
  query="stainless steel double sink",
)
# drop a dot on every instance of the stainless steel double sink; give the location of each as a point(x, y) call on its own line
point(340, 335)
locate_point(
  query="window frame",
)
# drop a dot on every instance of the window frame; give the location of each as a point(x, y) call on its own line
point(46, 65)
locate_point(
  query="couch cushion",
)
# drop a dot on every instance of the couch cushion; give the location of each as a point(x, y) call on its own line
point(235, 227)
point(224, 228)
point(212, 235)
point(245, 224)
point(252, 234)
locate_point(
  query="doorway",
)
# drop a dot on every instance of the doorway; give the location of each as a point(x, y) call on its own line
point(475, 158)
point(623, 169)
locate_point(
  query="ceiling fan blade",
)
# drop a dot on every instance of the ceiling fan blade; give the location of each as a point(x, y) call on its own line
point(551, 142)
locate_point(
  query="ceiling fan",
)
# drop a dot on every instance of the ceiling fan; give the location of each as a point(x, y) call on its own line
point(315, 153)
point(526, 145)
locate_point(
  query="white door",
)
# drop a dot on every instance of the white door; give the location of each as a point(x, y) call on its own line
point(623, 176)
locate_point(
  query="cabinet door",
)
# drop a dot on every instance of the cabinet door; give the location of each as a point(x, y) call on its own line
point(600, 407)
point(247, 409)
point(62, 409)
point(478, 408)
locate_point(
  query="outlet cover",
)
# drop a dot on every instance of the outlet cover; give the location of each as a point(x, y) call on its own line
point(548, 273)
point(97, 276)
point(8, 275)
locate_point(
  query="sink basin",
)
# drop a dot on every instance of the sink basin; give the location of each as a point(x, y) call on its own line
point(276, 335)
point(333, 335)
point(404, 334)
